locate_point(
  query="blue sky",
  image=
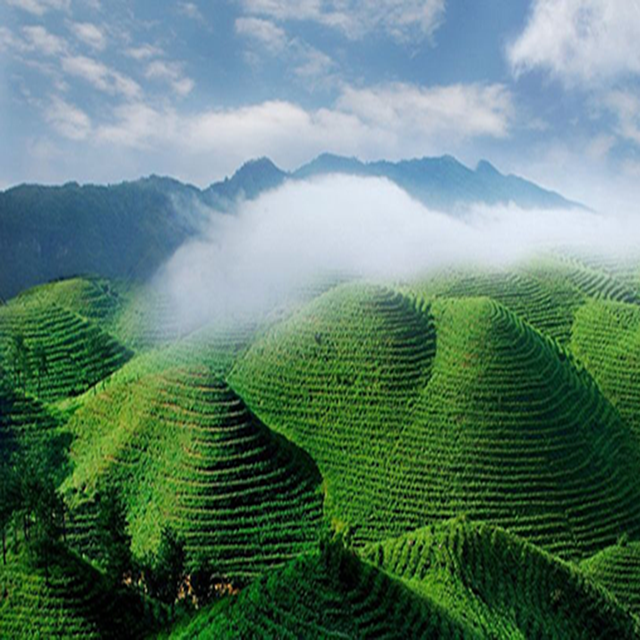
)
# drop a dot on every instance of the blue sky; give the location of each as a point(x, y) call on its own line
point(103, 91)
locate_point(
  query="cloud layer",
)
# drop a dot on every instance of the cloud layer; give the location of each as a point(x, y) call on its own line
point(580, 41)
point(246, 263)
point(403, 20)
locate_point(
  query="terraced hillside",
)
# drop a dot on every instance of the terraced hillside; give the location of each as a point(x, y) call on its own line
point(599, 281)
point(24, 421)
point(96, 299)
point(69, 600)
point(536, 294)
point(606, 338)
point(185, 451)
point(53, 352)
point(499, 585)
point(140, 317)
point(328, 594)
point(460, 409)
point(617, 568)
point(339, 379)
point(395, 416)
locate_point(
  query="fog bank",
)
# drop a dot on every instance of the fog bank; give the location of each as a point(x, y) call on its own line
point(247, 262)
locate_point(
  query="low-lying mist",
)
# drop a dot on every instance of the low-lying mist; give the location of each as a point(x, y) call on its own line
point(248, 262)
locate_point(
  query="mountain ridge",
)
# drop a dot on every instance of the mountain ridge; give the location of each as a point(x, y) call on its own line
point(129, 229)
point(257, 175)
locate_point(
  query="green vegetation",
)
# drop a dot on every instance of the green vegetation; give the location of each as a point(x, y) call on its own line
point(419, 415)
point(455, 457)
point(53, 352)
point(499, 585)
point(186, 452)
point(327, 594)
point(606, 338)
point(618, 569)
point(72, 600)
point(339, 379)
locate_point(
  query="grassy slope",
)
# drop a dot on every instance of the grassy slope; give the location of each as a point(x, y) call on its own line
point(606, 337)
point(78, 352)
point(498, 424)
point(500, 585)
point(23, 419)
point(413, 413)
point(339, 379)
point(184, 451)
point(328, 594)
point(73, 602)
point(537, 294)
point(618, 569)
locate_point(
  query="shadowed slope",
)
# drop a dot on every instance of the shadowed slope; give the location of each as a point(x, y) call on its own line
point(74, 601)
point(330, 594)
point(185, 452)
point(606, 338)
point(500, 585)
point(618, 569)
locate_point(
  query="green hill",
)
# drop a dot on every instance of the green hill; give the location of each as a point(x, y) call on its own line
point(501, 586)
point(328, 594)
point(618, 569)
point(53, 352)
point(419, 416)
point(70, 599)
point(606, 338)
point(339, 379)
point(138, 316)
point(537, 293)
point(184, 451)
point(23, 420)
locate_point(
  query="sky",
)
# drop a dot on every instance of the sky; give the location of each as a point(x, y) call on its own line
point(104, 91)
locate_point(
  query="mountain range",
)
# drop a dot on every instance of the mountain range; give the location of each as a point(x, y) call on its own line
point(129, 229)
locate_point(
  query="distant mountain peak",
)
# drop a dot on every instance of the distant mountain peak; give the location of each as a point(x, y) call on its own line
point(262, 165)
point(443, 182)
point(485, 167)
point(250, 180)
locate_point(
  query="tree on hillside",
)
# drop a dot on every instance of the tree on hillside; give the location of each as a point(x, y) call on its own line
point(41, 362)
point(47, 510)
point(19, 360)
point(167, 572)
point(203, 579)
point(9, 500)
point(114, 540)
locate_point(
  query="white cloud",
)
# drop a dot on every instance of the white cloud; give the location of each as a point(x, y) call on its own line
point(403, 20)
point(262, 31)
point(309, 64)
point(34, 39)
point(170, 72)
point(144, 52)
point(40, 7)
point(580, 41)
point(625, 106)
point(190, 10)
point(455, 111)
point(37, 38)
point(101, 76)
point(314, 65)
point(68, 120)
point(138, 125)
point(90, 34)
